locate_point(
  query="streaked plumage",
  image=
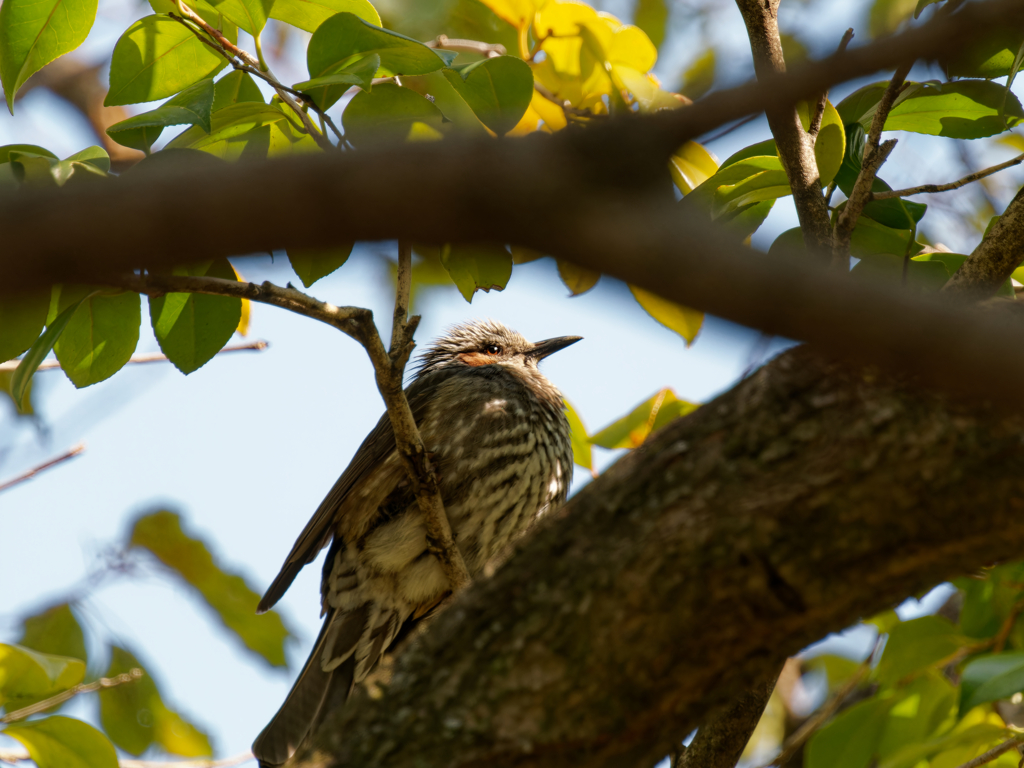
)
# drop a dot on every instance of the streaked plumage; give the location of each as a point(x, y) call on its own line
point(500, 444)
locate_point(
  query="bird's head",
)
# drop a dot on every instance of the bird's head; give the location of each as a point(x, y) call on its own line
point(486, 342)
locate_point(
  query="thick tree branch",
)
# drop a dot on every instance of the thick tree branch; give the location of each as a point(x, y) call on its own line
point(721, 742)
point(995, 258)
point(796, 146)
point(810, 495)
point(933, 188)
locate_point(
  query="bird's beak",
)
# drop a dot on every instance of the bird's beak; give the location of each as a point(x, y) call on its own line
point(549, 346)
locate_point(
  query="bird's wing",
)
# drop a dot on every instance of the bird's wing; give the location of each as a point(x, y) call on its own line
point(372, 474)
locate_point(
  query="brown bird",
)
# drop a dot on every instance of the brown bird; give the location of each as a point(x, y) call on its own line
point(499, 439)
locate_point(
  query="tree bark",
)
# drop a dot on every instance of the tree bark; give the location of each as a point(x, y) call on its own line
point(810, 495)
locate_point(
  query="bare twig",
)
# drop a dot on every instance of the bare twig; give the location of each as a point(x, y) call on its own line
point(41, 706)
point(69, 454)
point(446, 43)
point(875, 154)
point(995, 752)
point(932, 188)
point(730, 129)
point(149, 357)
point(819, 108)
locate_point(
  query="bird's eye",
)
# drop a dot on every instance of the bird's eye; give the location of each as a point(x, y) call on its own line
point(492, 349)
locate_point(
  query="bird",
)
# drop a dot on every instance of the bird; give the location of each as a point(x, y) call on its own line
point(500, 443)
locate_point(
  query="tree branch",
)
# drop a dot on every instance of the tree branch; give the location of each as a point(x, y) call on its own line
point(819, 109)
point(795, 145)
point(875, 154)
point(933, 188)
point(997, 255)
point(609, 617)
point(721, 742)
point(487, 50)
point(992, 754)
point(69, 454)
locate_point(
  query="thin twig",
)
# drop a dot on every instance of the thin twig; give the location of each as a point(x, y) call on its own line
point(20, 755)
point(445, 43)
point(69, 454)
point(41, 706)
point(875, 154)
point(993, 753)
point(819, 109)
point(149, 357)
point(932, 188)
point(730, 129)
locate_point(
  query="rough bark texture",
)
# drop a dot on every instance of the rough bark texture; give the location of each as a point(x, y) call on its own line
point(810, 495)
point(995, 258)
point(720, 743)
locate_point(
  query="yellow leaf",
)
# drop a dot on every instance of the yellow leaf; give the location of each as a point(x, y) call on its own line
point(1012, 140)
point(577, 279)
point(691, 165)
point(518, 13)
point(581, 451)
point(552, 114)
point(830, 146)
point(631, 47)
point(422, 132)
point(243, 320)
point(683, 320)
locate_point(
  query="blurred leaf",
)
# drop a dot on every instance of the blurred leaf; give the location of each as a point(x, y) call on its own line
point(691, 165)
point(234, 88)
point(651, 16)
point(518, 13)
point(477, 266)
point(861, 105)
point(925, 704)
point(27, 676)
point(498, 90)
point(61, 742)
point(193, 327)
point(242, 329)
point(851, 738)
point(310, 14)
point(236, 121)
point(793, 49)
point(22, 317)
point(386, 114)
point(54, 631)
point(37, 352)
point(886, 16)
point(6, 388)
point(916, 644)
point(312, 264)
point(966, 109)
point(100, 337)
point(991, 55)
point(35, 32)
point(989, 602)
point(226, 593)
point(700, 75)
point(458, 115)
point(521, 255)
point(745, 221)
point(577, 279)
point(837, 669)
point(990, 678)
point(135, 717)
point(32, 149)
point(581, 451)
point(190, 107)
point(971, 736)
point(922, 4)
point(889, 267)
point(157, 57)
point(683, 320)
point(953, 262)
point(632, 429)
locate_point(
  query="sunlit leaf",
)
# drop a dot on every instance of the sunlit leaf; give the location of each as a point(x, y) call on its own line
point(157, 57)
point(926, 704)
point(26, 676)
point(359, 73)
point(498, 90)
point(310, 14)
point(851, 738)
point(991, 55)
point(386, 114)
point(226, 593)
point(577, 279)
point(62, 742)
point(193, 327)
point(518, 13)
point(37, 352)
point(966, 109)
point(458, 115)
point(232, 122)
point(691, 165)
point(477, 266)
point(135, 716)
point(54, 631)
point(632, 429)
point(35, 32)
point(190, 107)
point(250, 15)
point(234, 88)
point(916, 644)
point(683, 320)
point(312, 264)
point(581, 450)
point(99, 337)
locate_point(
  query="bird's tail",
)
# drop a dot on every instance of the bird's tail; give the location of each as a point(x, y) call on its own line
point(315, 692)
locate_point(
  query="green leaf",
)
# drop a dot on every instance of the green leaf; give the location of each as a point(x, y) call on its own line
point(990, 678)
point(312, 264)
point(192, 327)
point(761, 149)
point(886, 16)
point(235, 88)
point(37, 352)
point(632, 429)
point(790, 241)
point(967, 109)
point(577, 279)
point(582, 453)
point(100, 337)
point(387, 113)
point(710, 193)
point(861, 105)
point(870, 238)
point(923, 706)
point(344, 36)
point(476, 266)
point(32, 149)
point(928, 276)
point(458, 115)
point(27, 676)
point(966, 736)
point(157, 57)
point(62, 742)
point(916, 644)
point(22, 317)
point(310, 14)
point(830, 145)
point(35, 32)
point(54, 631)
point(700, 75)
point(498, 90)
point(250, 15)
point(992, 55)
point(41, 170)
point(691, 165)
point(745, 221)
point(20, 409)
point(849, 740)
point(683, 320)
point(837, 669)
point(226, 593)
point(232, 122)
point(135, 716)
point(359, 72)
point(190, 107)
